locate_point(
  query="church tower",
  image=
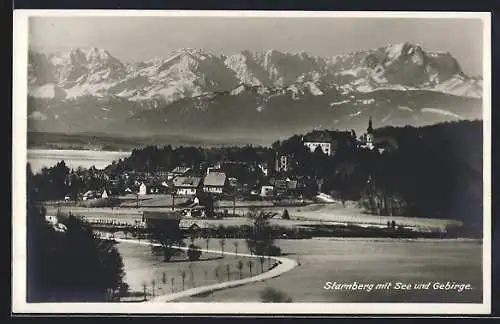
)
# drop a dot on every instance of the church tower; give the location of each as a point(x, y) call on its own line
point(369, 130)
point(369, 134)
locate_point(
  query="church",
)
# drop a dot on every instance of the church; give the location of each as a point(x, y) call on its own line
point(370, 141)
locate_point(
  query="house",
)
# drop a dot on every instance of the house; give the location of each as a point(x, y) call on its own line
point(233, 182)
point(187, 186)
point(190, 227)
point(215, 182)
point(51, 219)
point(284, 162)
point(266, 191)
point(143, 190)
point(321, 140)
point(217, 167)
point(166, 222)
point(179, 171)
point(285, 186)
point(263, 168)
point(89, 195)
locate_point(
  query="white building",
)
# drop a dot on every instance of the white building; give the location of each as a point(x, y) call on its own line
point(187, 186)
point(143, 190)
point(266, 191)
point(215, 182)
point(325, 147)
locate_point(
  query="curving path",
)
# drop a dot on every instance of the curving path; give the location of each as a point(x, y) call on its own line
point(284, 265)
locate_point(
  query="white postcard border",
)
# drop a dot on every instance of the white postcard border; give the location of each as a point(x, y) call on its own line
point(19, 158)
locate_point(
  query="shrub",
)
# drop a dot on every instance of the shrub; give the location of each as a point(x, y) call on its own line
point(194, 252)
point(274, 250)
point(271, 295)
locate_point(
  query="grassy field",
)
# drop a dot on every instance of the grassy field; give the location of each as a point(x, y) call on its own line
point(142, 267)
point(369, 261)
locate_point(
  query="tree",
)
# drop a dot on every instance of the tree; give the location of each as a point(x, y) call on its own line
point(153, 284)
point(240, 266)
point(222, 243)
point(207, 240)
point(285, 214)
point(191, 271)
point(194, 252)
point(250, 265)
point(144, 288)
point(183, 277)
point(235, 243)
point(228, 271)
point(261, 260)
point(167, 236)
point(164, 278)
point(217, 273)
point(172, 281)
point(260, 239)
point(72, 265)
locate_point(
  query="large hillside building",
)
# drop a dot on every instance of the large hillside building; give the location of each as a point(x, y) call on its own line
point(328, 141)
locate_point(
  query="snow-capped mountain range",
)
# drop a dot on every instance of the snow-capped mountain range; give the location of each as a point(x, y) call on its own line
point(69, 89)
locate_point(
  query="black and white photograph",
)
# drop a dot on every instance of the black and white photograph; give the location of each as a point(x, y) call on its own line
point(251, 162)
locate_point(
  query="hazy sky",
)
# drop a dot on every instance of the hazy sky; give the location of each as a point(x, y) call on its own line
point(139, 38)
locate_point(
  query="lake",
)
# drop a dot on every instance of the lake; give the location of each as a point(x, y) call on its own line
point(39, 158)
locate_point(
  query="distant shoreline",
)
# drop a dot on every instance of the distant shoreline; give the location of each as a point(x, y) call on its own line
point(75, 148)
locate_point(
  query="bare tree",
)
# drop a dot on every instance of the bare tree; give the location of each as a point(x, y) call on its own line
point(205, 274)
point(153, 284)
point(250, 265)
point(164, 278)
point(222, 243)
point(262, 259)
point(228, 271)
point(183, 277)
point(217, 273)
point(240, 266)
point(190, 267)
point(144, 288)
point(207, 240)
point(235, 243)
point(172, 281)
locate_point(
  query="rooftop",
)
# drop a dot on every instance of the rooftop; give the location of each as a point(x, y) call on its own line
point(215, 179)
point(166, 215)
point(187, 182)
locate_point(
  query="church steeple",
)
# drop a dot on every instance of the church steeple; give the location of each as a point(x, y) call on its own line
point(369, 130)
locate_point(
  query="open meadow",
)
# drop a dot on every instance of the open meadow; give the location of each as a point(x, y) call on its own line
point(142, 266)
point(369, 261)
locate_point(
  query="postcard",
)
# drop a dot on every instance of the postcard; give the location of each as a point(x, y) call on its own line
point(251, 162)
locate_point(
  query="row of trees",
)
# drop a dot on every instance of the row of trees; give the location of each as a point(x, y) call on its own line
point(153, 158)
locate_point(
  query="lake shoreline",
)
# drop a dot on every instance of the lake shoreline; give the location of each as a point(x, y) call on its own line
point(40, 158)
